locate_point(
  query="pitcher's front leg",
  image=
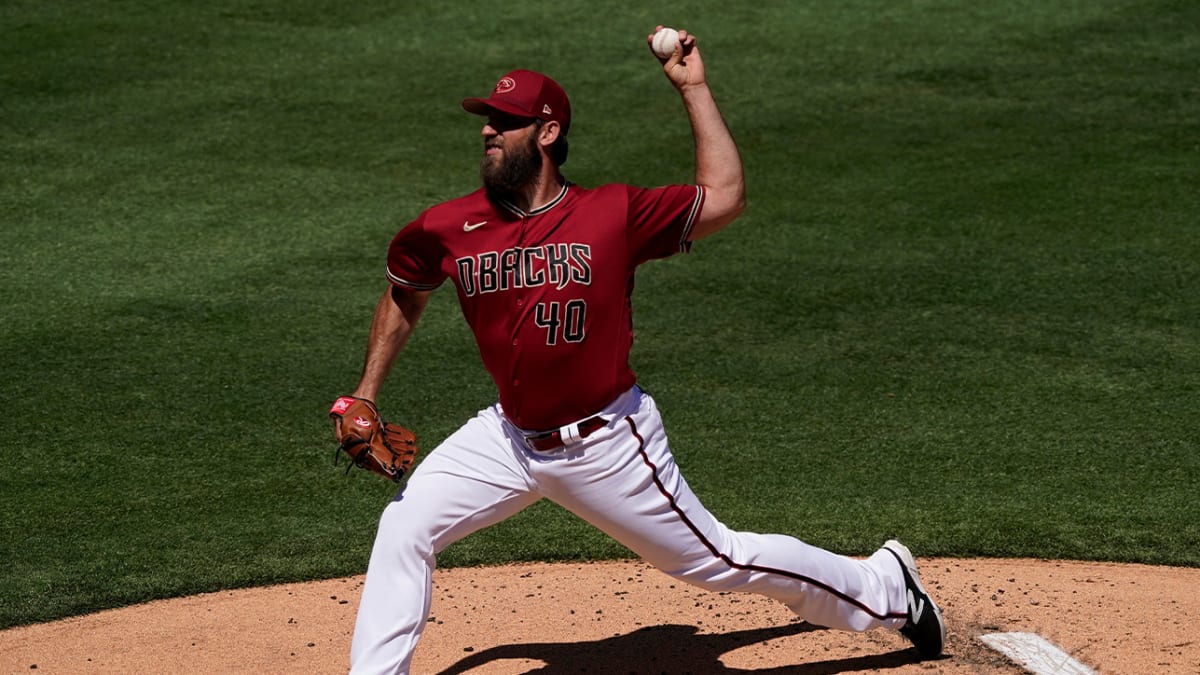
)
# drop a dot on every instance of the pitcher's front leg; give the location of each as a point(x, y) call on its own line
point(469, 482)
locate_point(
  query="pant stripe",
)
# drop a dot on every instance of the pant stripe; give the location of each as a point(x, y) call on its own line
point(729, 561)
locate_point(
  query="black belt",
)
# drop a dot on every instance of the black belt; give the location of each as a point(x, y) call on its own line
point(553, 440)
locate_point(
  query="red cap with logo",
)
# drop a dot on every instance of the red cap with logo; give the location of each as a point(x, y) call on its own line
point(525, 93)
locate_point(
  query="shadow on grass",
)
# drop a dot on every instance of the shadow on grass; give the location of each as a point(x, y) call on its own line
point(670, 649)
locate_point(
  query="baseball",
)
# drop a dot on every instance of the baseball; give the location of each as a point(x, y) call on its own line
point(665, 42)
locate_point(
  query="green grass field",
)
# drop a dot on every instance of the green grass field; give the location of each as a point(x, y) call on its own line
point(963, 307)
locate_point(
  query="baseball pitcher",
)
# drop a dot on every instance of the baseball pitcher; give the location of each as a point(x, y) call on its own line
point(544, 272)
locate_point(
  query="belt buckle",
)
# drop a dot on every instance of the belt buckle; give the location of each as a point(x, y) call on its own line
point(546, 443)
point(555, 441)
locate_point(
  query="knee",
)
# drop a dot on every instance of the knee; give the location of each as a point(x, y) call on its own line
point(401, 534)
point(715, 574)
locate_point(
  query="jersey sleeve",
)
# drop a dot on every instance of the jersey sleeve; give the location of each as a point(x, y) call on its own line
point(414, 258)
point(661, 219)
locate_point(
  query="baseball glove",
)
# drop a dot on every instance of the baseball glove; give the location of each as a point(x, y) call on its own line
point(386, 449)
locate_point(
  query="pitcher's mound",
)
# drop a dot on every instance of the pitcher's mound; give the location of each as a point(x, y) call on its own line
point(626, 617)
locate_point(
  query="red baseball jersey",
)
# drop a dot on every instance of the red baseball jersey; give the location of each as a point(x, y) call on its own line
point(547, 293)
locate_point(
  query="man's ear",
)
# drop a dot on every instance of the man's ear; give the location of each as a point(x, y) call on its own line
point(549, 133)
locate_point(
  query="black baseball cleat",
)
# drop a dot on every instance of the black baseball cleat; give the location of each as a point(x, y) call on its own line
point(925, 628)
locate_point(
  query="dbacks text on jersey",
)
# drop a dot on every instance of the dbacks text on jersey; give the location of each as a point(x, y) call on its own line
point(555, 264)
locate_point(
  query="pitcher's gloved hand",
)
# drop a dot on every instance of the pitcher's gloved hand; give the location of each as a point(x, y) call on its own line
point(386, 449)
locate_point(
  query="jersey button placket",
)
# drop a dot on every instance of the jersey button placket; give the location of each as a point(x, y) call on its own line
point(516, 358)
point(520, 302)
point(516, 342)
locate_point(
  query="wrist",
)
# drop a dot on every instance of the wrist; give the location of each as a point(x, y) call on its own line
point(365, 393)
point(694, 89)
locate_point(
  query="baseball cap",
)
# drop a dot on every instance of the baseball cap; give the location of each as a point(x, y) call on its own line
point(525, 93)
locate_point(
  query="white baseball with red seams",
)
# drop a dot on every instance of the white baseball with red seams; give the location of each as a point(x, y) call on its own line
point(666, 40)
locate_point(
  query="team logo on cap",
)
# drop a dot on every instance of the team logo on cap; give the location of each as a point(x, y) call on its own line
point(546, 110)
point(505, 85)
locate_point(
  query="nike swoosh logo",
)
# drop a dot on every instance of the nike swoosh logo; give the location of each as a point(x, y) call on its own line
point(915, 609)
point(467, 226)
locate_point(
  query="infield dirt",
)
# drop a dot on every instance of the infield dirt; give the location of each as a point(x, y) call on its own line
point(626, 617)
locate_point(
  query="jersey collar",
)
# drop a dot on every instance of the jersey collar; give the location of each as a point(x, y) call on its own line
point(539, 210)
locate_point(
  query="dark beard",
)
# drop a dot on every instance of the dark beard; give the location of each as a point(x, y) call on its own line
point(519, 169)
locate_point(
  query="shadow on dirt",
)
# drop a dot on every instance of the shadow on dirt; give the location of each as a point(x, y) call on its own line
point(670, 650)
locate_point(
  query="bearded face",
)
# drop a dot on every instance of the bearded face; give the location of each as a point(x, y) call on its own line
point(517, 166)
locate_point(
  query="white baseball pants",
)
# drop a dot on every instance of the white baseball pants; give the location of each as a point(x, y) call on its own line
point(621, 479)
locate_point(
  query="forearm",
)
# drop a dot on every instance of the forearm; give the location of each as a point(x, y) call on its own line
point(396, 316)
point(718, 163)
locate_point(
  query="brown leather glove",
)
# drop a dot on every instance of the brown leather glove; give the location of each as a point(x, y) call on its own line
point(386, 449)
